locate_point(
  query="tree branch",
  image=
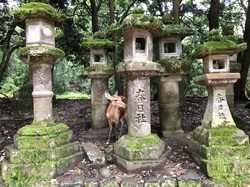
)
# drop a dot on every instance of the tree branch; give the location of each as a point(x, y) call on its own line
point(124, 15)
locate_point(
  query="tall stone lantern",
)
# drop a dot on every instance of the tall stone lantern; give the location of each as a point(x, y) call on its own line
point(168, 52)
point(42, 150)
point(220, 148)
point(139, 149)
point(99, 72)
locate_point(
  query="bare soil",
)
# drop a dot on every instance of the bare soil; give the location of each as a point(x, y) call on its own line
point(77, 115)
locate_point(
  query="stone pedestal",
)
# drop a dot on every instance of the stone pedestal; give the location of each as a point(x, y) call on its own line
point(169, 108)
point(99, 84)
point(218, 146)
point(139, 149)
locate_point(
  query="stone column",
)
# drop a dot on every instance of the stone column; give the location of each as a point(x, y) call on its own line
point(99, 84)
point(99, 102)
point(169, 107)
point(42, 91)
point(139, 149)
point(139, 119)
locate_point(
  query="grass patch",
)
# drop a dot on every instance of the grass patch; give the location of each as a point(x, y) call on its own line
point(72, 95)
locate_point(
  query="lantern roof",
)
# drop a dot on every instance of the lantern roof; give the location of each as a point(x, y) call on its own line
point(37, 10)
point(138, 20)
point(218, 44)
point(177, 30)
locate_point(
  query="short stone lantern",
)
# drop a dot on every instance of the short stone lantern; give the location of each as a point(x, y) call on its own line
point(99, 72)
point(220, 148)
point(168, 52)
point(139, 149)
point(41, 150)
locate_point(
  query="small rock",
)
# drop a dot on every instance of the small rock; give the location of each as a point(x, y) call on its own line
point(104, 172)
point(95, 155)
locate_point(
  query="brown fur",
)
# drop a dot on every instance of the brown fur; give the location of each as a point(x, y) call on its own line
point(116, 111)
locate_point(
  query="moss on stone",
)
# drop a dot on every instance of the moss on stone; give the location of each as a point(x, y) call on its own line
point(218, 44)
point(44, 50)
point(139, 21)
point(136, 148)
point(99, 44)
point(177, 30)
point(39, 142)
point(175, 65)
point(40, 130)
point(90, 70)
point(37, 8)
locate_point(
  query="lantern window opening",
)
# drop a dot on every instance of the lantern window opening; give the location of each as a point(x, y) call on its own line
point(99, 58)
point(169, 47)
point(218, 64)
point(140, 45)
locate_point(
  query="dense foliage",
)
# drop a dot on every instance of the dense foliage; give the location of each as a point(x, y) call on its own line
point(83, 18)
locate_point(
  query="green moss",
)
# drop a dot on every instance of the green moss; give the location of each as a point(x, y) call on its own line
point(98, 70)
point(175, 65)
point(177, 30)
point(99, 44)
point(40, 142)
point(217, 43)
point(136, 148)
point(189, 183)
point(33, 8)
point(139, 21)
point(36, 129)
point(45, 50)
point(26, 182)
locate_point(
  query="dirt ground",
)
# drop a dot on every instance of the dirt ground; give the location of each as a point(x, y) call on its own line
point(77, 115)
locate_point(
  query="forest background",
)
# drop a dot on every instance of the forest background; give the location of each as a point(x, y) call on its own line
point(86, 17)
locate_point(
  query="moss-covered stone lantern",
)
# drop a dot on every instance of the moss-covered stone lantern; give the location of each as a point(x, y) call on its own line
point(168, 52)
point(99, 72)
point(139, 149)
point(39, 23)
point(218, 145)
point(44, 149)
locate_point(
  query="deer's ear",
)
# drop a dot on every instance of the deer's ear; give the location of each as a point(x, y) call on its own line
point(107, 95)
point(116, 92)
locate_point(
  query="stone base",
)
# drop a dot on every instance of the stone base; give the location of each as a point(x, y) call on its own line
point(43, 171)
point(174, 138)
point(41, 151)
point(139, 148)
point(140, 165)
point(139, 153)
point(222, 153)
point(99, 134)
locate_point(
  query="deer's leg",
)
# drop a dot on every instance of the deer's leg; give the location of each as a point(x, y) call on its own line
point(110, 131)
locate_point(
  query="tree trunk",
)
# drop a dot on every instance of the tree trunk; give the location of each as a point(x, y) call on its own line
point(94, 16)
point(244, 59)
point(213, 14)
point(176, 11)
point(115, 57)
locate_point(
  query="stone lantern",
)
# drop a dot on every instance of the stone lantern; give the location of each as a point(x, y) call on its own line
point(99, 72)
point(218, 144)
point(39, 32)
point(168, 52)
point(139, 149)
point(42, 150)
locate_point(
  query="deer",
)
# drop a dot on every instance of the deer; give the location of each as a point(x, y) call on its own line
point(116, 113)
